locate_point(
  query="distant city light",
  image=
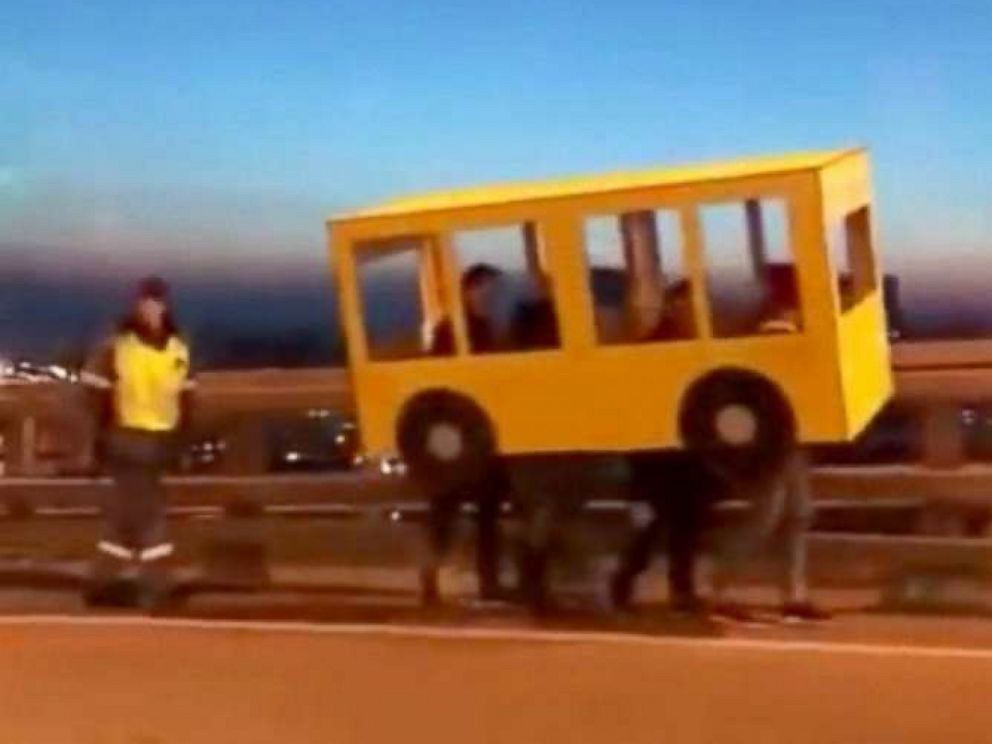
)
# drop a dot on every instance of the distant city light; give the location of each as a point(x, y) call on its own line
point(392, 466)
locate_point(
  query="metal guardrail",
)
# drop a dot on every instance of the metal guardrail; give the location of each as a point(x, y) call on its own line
point(227, 492)
point(971, 485)
point(256, 391)
point(922, 370)
point(933, 378)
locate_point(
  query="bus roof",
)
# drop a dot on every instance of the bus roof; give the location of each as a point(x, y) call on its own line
point(576, 186)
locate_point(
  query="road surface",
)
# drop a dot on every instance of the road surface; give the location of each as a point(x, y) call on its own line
point(130, 680)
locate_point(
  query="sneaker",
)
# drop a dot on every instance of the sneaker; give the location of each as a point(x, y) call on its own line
point(490, 593)
point(430, 592)
point(621, 592)
point(689, 607)
point(803, 612)
point(115, 593)
point(495, 599)
point(736, 614)
point(161, 596)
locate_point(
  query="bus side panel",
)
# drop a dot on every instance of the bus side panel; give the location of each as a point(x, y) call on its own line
point(845, 185)
point(805, 369)
point(866, 370)
point(378, 397)
point(350, 315)
point(613, 399)
point(862, 343)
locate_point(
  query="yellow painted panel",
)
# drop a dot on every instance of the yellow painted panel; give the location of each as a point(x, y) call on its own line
point(614, 398)
point(570, 187)
point(586, 397)
point(866, 369)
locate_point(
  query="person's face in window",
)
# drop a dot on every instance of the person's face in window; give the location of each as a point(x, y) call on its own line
point(480, 297)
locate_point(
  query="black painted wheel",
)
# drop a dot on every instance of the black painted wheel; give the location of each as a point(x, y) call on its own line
point(445, 439)
point(740, 417)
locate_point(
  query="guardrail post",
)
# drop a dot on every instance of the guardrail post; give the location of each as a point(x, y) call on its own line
point(246, 451)
point(20, 446)
point(237, 553)
point(943, 438)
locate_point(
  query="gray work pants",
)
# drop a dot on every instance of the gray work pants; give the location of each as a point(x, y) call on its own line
point(549, 490)
point(775, 525)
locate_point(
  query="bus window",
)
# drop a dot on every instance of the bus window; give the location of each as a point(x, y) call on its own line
point(750, 272)
point(394, 298)
point(506, 292)
point(641, 292)
point(851, 253)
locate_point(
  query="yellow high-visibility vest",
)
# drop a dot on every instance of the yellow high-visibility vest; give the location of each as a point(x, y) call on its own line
point(149, 382)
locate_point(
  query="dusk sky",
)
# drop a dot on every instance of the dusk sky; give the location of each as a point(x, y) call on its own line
point(221, 134)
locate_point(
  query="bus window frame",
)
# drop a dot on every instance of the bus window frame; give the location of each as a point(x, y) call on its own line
point(695, 263)
point(843, 222)
point(566, 266)
point(683, 214)
point(431, 261)
point(539, 261)
point(452, 302)
point(752, 206)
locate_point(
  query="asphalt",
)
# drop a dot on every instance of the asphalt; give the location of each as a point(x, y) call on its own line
point(133, 680)
point(345, 654)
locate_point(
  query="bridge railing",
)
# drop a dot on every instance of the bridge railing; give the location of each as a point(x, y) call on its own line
point(48, 431)
point(48, 439)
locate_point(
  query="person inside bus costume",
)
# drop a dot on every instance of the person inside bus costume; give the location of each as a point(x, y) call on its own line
point(677, 486)
point(681, 489)
point(781, 501)
point(543, 488)
point(489, 491)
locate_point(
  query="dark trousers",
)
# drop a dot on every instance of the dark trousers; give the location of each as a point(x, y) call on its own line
point(775, 526)
point(134, 511)
point(549, 491)
point(134, 520)
point(679, 489)
point(442, 526)
point(676, 522)
point(488, 497)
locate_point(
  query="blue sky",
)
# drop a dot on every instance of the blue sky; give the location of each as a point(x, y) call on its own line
point(220, 132)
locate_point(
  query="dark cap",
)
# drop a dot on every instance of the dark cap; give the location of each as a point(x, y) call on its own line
point(153, 287)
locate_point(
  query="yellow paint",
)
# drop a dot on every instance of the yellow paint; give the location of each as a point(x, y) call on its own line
point(590, 397)
point(149, 382)
point(625, 181)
